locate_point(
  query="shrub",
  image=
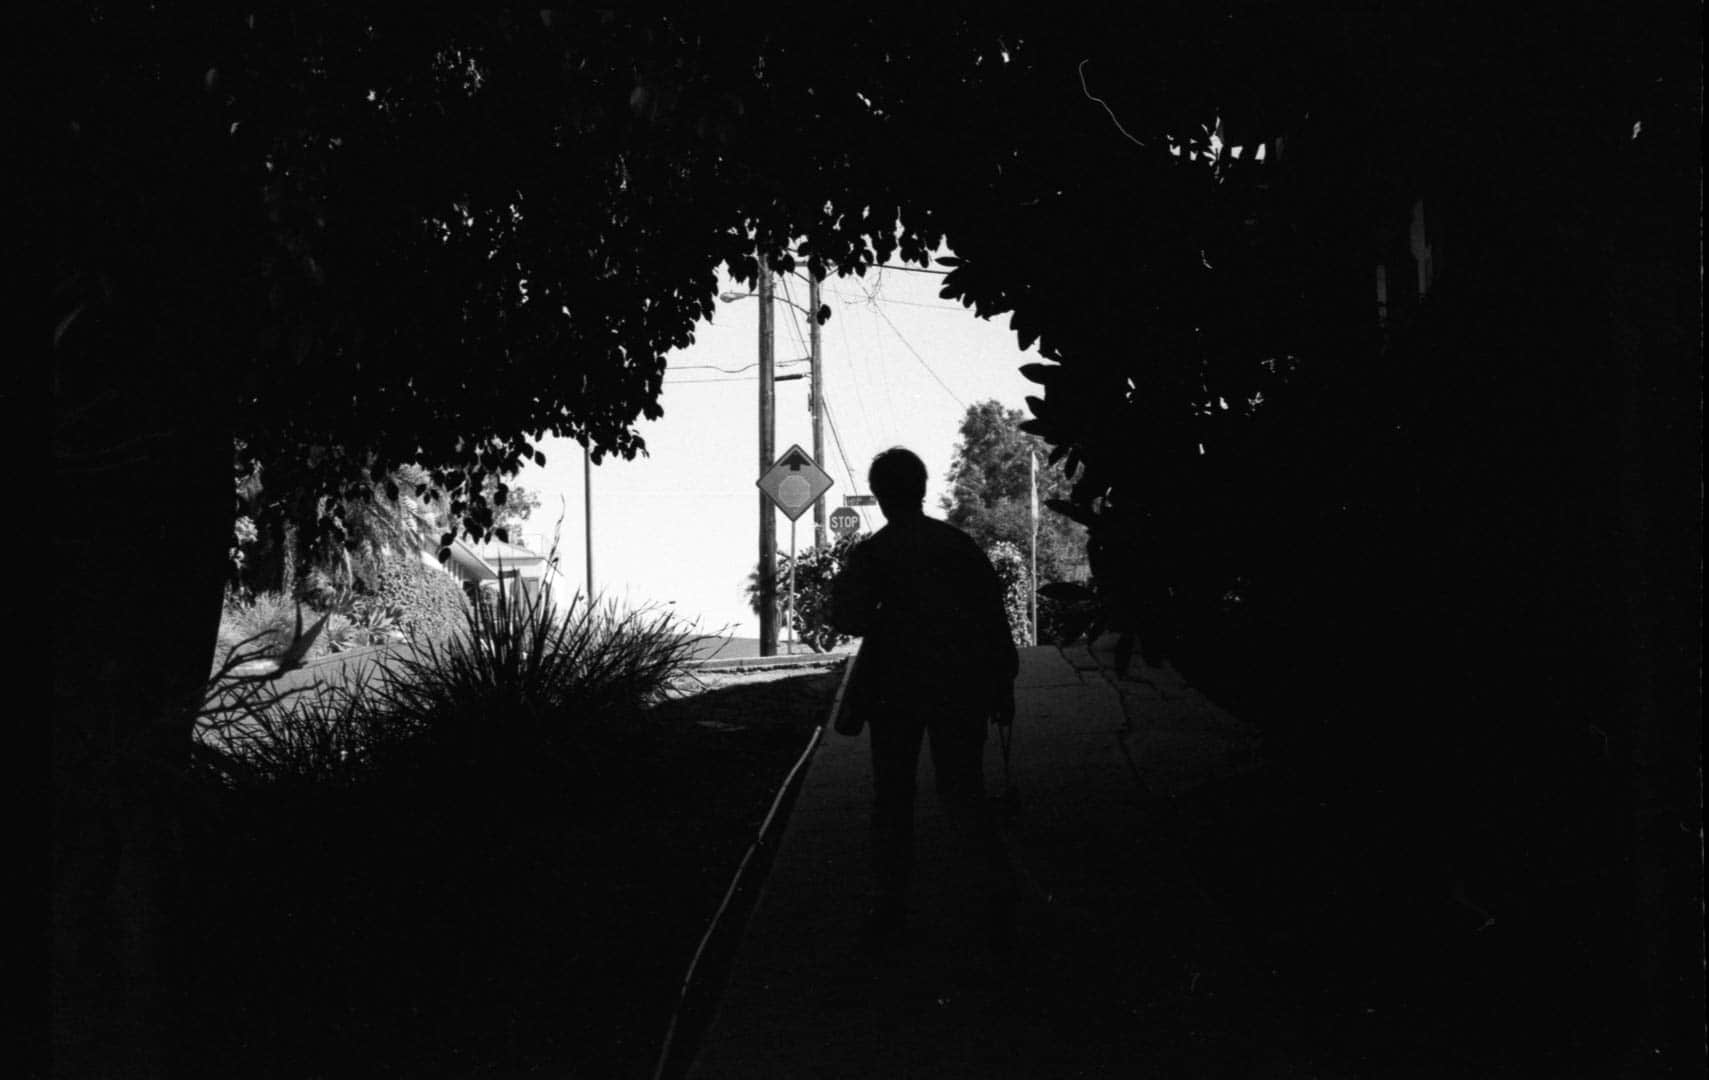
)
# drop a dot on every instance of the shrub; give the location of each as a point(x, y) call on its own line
point(429, 605)
point(816, 573)
point(1011, 567)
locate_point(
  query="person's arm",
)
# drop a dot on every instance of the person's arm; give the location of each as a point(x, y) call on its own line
point(1005, 659)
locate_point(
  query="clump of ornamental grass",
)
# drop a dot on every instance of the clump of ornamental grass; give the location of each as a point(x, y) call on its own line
point(251, 734)
point(525, 681)
point(328, 734)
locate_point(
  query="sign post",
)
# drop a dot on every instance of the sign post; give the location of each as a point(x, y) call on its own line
point(794, 483)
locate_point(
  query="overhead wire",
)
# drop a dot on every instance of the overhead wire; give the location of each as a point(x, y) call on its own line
point(910, 347)
point(888, 266)
point(825, 403)
point(794, 321)
point(849, 351)
point(837, 437)
point(883, 365)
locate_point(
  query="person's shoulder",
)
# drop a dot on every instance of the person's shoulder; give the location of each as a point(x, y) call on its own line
point(943, 530)
point(950, 538)
point(880, 539)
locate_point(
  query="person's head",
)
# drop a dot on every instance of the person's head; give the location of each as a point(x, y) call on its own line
point(898, 478)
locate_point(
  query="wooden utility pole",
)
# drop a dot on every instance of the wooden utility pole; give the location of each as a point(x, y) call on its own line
point(1032, 488)
point(768, 515)
point(587, 513)
point(817, 406)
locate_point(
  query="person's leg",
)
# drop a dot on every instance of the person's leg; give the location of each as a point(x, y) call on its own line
point(958, 759)
point(895, 759)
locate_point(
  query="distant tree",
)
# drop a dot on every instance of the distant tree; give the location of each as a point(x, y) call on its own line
point(989, 495)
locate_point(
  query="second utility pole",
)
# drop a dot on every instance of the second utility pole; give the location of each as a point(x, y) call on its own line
point(768, 516)
point(816, 406)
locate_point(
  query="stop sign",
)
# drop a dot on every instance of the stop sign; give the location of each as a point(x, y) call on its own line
point(844, 522)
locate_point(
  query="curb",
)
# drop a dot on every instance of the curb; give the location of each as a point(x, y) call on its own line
point(766, 663)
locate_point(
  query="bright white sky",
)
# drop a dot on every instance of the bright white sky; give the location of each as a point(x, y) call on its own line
point(680, 526)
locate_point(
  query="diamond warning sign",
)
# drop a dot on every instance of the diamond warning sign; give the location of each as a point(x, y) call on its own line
point(794, 482)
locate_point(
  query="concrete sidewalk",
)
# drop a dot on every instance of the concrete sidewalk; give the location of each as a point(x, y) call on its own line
point(1096, 758)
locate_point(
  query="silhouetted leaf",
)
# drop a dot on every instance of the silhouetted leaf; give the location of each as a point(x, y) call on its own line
point(1040, 373)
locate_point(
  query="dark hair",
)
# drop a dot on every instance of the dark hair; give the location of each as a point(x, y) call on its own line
point(897, 476)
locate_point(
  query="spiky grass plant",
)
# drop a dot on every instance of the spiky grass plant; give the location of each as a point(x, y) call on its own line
point(325, 734)
point(251, 732)
point(524, 679)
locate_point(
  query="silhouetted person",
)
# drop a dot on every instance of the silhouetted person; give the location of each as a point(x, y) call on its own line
point(937, 660)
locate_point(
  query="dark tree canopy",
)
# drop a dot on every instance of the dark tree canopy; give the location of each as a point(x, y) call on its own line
point(360, 236)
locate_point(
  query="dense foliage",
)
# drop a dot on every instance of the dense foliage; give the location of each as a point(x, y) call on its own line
point(1016, 576)
point(431, 606)
point(815, 575)
point(816, 571)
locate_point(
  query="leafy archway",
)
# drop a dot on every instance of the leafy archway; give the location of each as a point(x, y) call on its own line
point(358, 236)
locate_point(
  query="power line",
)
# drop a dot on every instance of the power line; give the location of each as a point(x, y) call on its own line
point(794, 320)
point(890, 412)
point(888, 266)
point(837, 436)
point(911, 349)
point(915, 269)
point(854, 380)
point(913, 303)
point(732, 371)
point(843, 453)
point(748, 381)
